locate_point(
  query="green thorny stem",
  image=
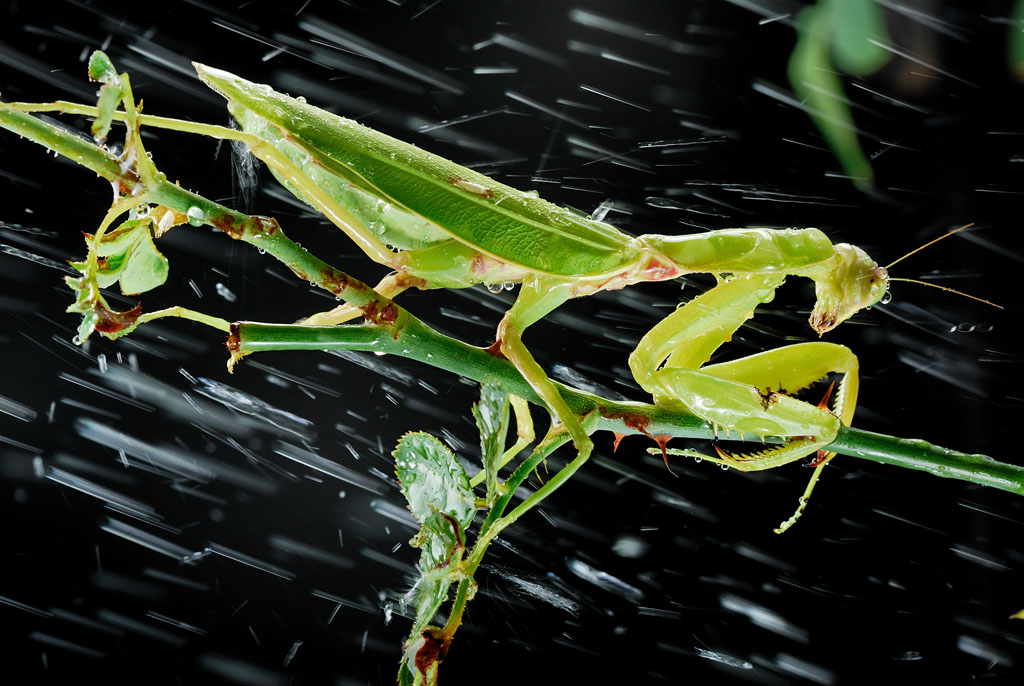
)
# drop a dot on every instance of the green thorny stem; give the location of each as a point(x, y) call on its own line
point(418, 341)
point(136, 182)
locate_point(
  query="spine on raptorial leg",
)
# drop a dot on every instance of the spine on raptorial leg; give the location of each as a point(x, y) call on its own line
point(745, 250)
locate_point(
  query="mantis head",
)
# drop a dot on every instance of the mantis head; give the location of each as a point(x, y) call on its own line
point(851, 283)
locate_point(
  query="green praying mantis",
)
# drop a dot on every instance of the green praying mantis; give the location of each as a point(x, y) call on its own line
point(437, 224)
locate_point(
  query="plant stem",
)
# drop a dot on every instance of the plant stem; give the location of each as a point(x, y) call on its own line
point(147, 185)
point(495, 523)
point(418, 341)
point(185, 313)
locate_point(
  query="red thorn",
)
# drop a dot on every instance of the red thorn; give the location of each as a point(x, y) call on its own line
point(824, 401)
point(618, 439)
point(662, 441)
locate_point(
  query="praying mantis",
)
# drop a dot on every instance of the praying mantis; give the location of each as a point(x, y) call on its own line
point(437, 224)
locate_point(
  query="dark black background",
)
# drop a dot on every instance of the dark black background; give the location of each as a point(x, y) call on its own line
point(891, 574)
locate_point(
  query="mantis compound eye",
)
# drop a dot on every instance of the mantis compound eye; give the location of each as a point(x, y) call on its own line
point(879, 285)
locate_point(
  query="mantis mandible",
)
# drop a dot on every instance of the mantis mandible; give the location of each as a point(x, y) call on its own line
point(437, 224)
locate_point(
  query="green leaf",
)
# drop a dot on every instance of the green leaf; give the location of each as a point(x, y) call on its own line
point(120, 240)
point(86, 327)
point(441, 541)
point(110, 98)
point(492, 419)
point(818, 87)
point(102, 69)
point(130, 257)
point(145, 268)
point(97, 315)
point(432, 479)
point(439, 496)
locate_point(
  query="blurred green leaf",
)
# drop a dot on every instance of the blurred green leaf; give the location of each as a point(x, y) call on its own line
point(855, 24)
point(1015, 41)
point(818, 87)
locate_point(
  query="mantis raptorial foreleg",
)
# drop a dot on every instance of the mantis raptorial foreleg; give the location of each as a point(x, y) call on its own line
point(738, 395)
point(790, 369)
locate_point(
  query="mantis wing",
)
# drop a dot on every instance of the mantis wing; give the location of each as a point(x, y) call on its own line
point(491, 217)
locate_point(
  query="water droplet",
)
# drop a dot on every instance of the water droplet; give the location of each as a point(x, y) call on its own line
point(196, 216)
point(495, 287)
point(225, 292)
point(601, 211)
point(886, 299)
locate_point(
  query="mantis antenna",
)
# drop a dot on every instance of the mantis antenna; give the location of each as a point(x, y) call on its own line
point(931, 242)
point(932, 285)
point(951, 290)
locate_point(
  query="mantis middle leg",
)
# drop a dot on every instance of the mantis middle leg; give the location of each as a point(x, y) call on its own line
point(391, 285)
point(537, 297)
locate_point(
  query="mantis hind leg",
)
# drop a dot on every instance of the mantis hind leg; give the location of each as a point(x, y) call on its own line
point(448, 264)
point(537, 297)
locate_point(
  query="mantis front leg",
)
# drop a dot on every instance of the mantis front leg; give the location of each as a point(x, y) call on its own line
point(738, 395)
